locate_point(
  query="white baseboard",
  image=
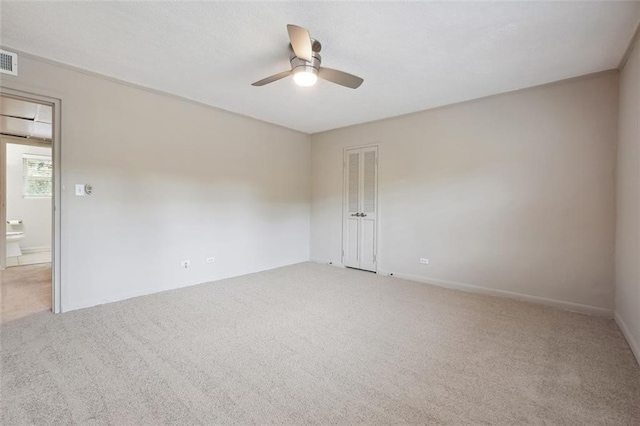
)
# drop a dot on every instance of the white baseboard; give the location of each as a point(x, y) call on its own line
point(112, 298)
point(29, 250)
point(569, 306)
point(635, 347)
point(327, 262)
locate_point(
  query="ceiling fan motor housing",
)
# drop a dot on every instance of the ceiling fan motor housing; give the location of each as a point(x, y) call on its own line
point(300, 65)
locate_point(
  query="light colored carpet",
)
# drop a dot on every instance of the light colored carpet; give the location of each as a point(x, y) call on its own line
point(317, 344)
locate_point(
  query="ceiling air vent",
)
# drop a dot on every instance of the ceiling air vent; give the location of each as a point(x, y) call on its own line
point(8, 62)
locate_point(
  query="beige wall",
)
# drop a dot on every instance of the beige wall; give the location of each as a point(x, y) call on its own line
point(172, 181)
point(512, 194)
point(34, 212)
point(628, 231)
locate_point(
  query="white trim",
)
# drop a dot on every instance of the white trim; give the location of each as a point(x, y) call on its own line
point(12, 89)
point(635, 347)
point(37, 157)
point(112, 298)
point(562, 304)
point(327, 262)
point(3, 201)
point(345, 190)
point(30, 250)
point(26, 141)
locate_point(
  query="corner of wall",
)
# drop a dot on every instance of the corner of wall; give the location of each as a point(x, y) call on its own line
point(627, 271)
point(635, 346)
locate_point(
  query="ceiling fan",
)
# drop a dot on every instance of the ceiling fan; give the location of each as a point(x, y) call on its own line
point(305, 63)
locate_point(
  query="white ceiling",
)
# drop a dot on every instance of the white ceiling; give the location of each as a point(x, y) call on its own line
point(26, 119)
point(412, 56)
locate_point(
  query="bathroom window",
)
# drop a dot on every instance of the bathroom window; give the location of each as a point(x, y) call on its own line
point(37, 177)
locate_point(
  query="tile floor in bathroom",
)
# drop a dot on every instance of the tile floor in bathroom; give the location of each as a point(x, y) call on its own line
point(29, 259)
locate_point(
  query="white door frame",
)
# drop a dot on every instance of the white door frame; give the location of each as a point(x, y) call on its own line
point(345, 182)
point(56, 104)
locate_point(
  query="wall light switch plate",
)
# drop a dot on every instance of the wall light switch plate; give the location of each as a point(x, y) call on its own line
point(79, 190)
point(424, 261)
point(211, 259)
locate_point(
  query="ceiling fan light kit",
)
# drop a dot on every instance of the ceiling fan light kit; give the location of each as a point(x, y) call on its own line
point(305, 62)
point(305, 78)
point(305, 73)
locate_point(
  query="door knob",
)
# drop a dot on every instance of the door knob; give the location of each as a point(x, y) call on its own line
point(354, 214)
point(362, 215)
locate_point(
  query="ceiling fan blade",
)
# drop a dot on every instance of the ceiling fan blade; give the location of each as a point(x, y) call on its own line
point(340, 77)
point(300, 42)
point(273, 78)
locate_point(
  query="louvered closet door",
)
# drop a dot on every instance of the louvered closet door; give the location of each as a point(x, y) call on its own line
point(360, 210)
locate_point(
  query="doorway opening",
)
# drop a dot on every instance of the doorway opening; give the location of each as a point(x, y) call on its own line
point(360, 211)
point(29, 225)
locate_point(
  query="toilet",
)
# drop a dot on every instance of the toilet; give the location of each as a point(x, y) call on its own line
point(13, 248)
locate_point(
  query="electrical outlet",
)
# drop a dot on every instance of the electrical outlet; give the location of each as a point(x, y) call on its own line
point(424, 261)
point(211, 259)
point(185, 264)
